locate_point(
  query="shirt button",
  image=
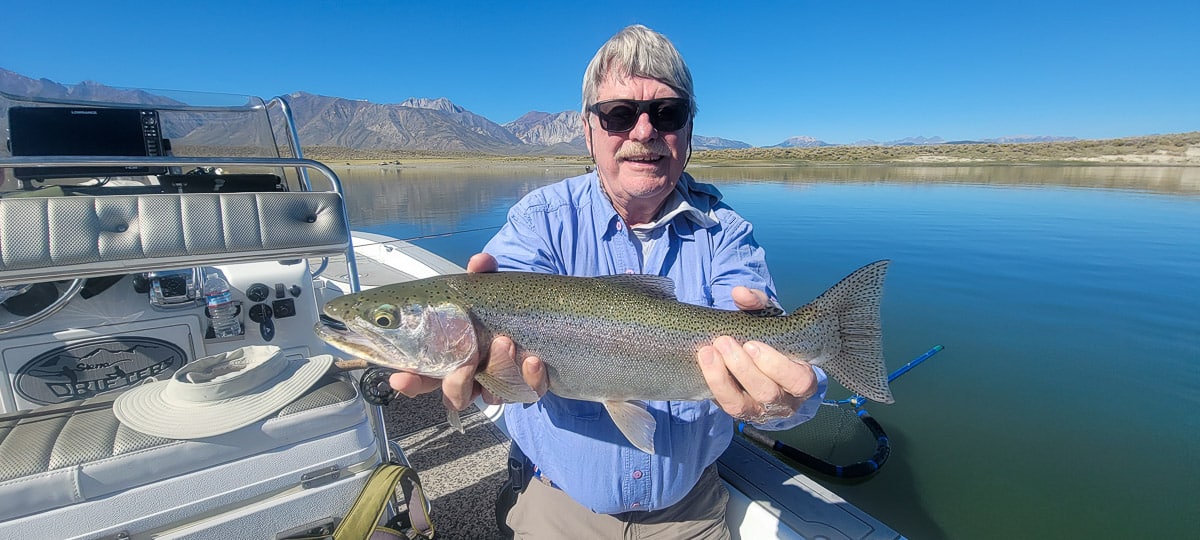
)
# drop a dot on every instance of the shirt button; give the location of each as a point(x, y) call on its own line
point(637, 475)
point(635, 505)
point(628, 270)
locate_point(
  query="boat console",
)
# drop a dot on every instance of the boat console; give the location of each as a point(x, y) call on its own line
point(111, 214)
point(84, 131)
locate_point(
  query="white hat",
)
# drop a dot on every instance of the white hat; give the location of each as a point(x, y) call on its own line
point(220, 393)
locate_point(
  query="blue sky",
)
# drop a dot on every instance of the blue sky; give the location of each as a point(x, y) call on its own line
point(840, 71)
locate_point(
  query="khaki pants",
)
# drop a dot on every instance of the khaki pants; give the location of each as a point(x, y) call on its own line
point(545, 512)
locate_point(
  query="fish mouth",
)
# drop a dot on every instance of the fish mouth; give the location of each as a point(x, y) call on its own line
point(332, 322)
point(335, 333)
point(342, 337)
point(358, 340)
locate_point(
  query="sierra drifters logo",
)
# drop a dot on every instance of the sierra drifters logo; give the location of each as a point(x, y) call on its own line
point(84, 369)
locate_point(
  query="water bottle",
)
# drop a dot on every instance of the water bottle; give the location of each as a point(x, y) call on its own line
point(221, 309)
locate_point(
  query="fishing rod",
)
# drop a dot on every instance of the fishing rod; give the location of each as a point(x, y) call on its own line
point(859, 401)
point(325, 260)
point(859, 469)
point(440, 235)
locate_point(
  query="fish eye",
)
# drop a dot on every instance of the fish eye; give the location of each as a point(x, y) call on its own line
point(385, 316)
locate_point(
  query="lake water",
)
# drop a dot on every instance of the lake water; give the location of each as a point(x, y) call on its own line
point(1066, 400)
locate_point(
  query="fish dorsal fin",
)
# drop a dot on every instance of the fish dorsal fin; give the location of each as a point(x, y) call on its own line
point(634, 421)
point(650, 285)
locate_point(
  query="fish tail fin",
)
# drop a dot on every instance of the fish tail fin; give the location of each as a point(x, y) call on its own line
point(849, 312)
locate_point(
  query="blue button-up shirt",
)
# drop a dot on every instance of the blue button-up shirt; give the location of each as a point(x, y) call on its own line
point(571, 228)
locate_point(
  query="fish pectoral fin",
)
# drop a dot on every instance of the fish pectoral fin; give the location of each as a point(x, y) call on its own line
point(504, 380)
point(634, 421)
point(455, 421)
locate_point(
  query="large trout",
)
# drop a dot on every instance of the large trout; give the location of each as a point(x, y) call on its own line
point(612, 339)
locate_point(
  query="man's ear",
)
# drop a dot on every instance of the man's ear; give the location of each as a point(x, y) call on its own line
point(690, 127)
point(587, 134)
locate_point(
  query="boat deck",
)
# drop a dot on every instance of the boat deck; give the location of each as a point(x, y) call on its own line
point(461, 472)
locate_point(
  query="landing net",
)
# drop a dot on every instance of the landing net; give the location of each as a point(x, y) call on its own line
point(842, 440)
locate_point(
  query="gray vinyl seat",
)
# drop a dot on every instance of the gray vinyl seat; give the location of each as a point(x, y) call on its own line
point(77, 453)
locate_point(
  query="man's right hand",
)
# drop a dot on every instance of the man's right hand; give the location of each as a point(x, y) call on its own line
point(459, 388)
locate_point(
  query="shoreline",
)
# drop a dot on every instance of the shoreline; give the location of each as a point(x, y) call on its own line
point(1174, 150)
point(1131, 160)
point(1126, 173)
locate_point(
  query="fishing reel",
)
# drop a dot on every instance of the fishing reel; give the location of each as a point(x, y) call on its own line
point(374, 386)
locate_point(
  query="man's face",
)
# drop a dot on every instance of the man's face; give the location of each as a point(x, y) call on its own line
point(638, 168)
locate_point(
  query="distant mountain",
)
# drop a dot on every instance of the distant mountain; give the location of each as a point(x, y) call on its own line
point(439, 104)
point(1030, 139)
point(915, 141)
point(921, 141)
point(20, 85)
point(419, 124)
point(415, 124)
point(700, 142)
point(17, 84)
point(549, 129)
point(801, 141)
point(907, 141)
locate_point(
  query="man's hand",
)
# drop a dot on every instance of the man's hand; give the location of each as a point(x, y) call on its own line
point(459, 388)
point(747, 299)
point(753, 381)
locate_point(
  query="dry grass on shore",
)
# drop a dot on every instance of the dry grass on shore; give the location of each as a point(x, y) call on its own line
point(1171, 149)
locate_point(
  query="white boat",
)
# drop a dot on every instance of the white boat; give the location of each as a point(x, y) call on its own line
point(112, 211)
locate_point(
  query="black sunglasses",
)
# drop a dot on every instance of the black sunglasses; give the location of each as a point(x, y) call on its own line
point(620, 115)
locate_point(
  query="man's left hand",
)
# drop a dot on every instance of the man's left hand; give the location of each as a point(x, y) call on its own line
point(752, 381)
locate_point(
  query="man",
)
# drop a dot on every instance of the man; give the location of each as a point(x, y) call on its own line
point(638, 212)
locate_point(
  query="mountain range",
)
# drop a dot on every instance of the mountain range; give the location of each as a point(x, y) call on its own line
point(427, 124)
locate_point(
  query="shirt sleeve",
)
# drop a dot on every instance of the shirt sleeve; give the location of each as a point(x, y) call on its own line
point(806, 411)
point(737, 260)
point(521, 245)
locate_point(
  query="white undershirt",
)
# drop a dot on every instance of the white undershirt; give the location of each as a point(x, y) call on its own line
point(648, 234)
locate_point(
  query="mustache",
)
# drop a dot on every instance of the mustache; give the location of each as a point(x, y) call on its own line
point(636, 149)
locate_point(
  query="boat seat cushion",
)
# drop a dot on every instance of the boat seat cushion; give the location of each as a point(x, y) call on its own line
point(67, 453)
point(91, 236)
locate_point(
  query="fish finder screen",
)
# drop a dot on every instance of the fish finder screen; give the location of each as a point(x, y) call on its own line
point(83, 131)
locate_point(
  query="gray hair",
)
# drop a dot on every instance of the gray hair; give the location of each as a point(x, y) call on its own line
point(637, 51)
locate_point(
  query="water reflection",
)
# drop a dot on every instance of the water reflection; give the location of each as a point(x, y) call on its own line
point(438, 197)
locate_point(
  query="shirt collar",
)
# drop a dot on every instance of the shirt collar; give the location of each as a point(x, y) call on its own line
point(694, 200)
point(677, 205)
